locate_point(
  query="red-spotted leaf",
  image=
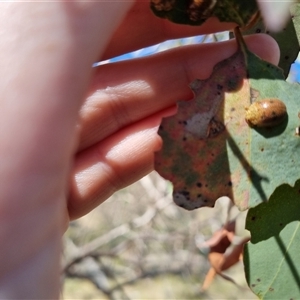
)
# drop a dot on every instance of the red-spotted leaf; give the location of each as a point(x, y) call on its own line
point(209, 150)
point(194, 155)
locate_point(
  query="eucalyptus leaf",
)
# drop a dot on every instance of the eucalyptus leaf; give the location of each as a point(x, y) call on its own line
point(272, 256)
point(288, 43)
point(210, 151)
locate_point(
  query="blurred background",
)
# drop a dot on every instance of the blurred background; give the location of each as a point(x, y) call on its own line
point(140, 245)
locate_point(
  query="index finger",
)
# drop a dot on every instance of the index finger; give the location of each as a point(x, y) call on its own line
point(141, 28)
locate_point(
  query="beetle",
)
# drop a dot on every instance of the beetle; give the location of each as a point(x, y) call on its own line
point(267, 112)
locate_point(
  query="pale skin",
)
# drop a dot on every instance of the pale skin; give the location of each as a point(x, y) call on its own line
point(70, 135)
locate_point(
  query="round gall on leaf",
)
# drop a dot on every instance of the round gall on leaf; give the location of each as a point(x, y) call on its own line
point(267, 112)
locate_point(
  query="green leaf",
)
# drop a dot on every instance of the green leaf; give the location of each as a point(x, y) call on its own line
point(288, 45)
point(295, 11)
point(272, 257)
point(237, 11)
point(209, 150)
point(197, 12)
point(287, 39)
point(274, 151)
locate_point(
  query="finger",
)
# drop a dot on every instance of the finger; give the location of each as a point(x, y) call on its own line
point(141, 28)
point(120, 159)
point(126, 92)
point(113, 164)
point(45, 62)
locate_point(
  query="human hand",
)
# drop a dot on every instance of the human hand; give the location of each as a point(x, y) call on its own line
point(127, 100)
point(46, 55)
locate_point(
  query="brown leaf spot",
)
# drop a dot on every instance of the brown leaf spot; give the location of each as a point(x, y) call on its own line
point(215, 127)
point(199, 10)
point(163, 5)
